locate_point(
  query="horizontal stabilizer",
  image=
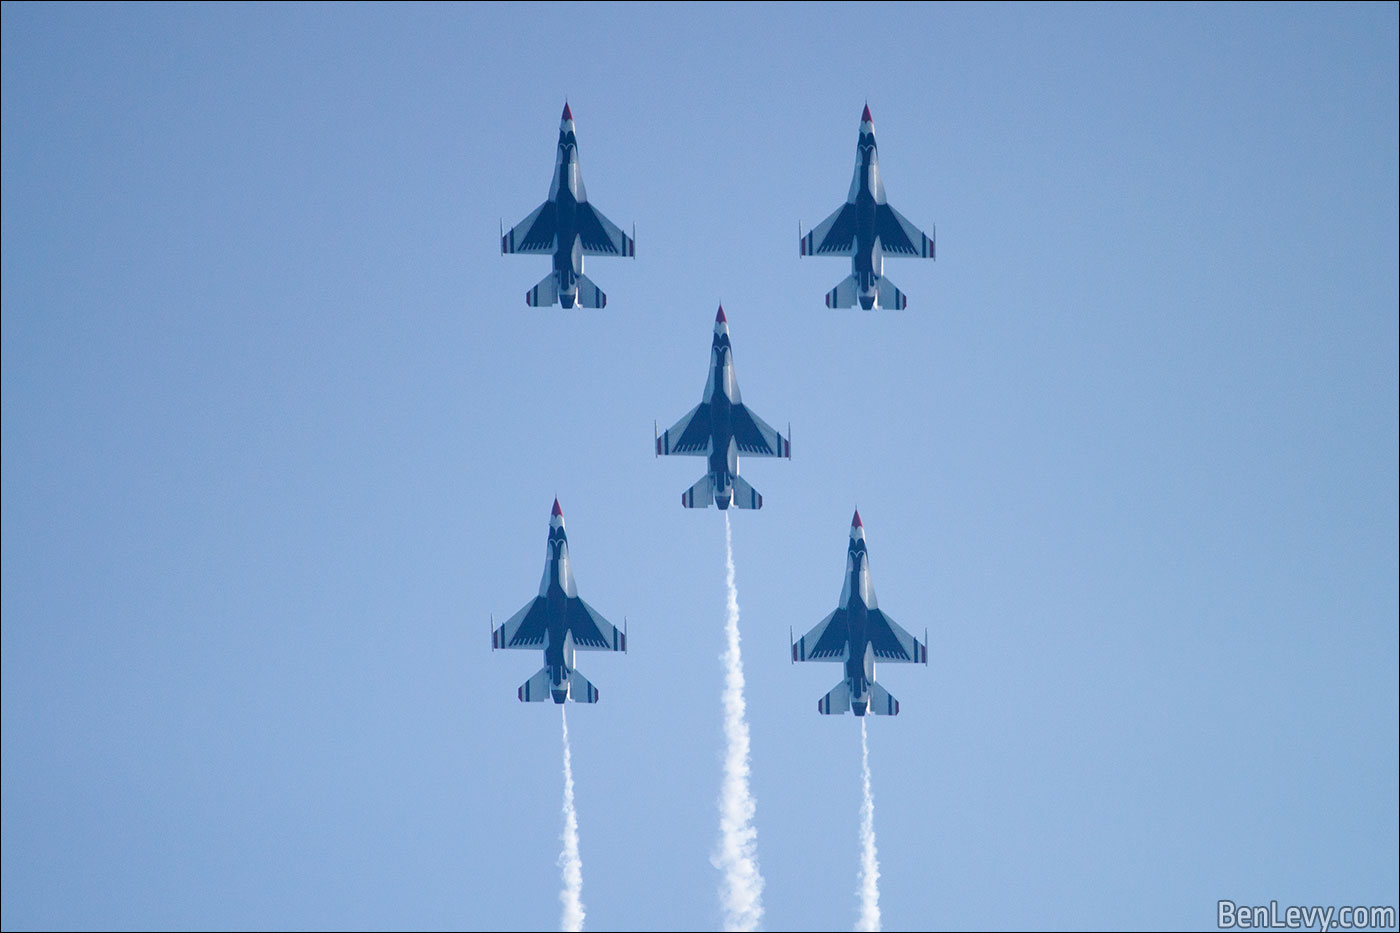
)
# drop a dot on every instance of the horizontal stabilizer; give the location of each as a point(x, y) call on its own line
point(836, 702)
point(580, 690)
point(744, 495)
point(881, 703)
point(891, 297)
point(843, 295)
point(590, 295)
point(536, 689)
point(700, 495)
point(544, 294)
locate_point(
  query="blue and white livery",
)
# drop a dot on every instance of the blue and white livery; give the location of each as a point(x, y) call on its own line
point(560, 623)
point(721, 427)
point(866, 229)
point(569, 228)
point(856, 633)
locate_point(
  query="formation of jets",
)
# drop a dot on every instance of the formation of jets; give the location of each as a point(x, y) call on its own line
point(720, 428)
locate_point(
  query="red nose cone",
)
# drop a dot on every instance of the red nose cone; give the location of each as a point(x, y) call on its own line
point(864, 117)
point(855, 522)
point(720, 318)
point(557, 510)
point(569, 114)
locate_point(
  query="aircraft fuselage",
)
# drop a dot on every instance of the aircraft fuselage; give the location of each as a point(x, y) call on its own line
point(860, 657)
point(864, 264)
point(558, 646)
point(568, 251)
point(724, 454)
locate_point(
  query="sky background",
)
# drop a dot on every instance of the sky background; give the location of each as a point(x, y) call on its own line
point(280, 435)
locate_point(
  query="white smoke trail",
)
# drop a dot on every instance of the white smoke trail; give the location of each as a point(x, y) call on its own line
point(737, 857)
point(569, 862)
point(869, 864)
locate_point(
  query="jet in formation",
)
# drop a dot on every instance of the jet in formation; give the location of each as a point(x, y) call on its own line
point(856, 633)
point(867, 229)
point(561, 623)
point(721, 427)
point(570, 228)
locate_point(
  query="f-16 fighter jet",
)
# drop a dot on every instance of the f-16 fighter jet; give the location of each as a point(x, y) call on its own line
point(866, 229)
point(560, 623)
point(857, 633)
point(721, 427)
point(570, 228)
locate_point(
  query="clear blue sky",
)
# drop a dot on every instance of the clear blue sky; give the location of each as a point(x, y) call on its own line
point(279, 434)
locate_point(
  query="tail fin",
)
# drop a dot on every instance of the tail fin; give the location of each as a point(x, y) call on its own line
point(836, 702)
point(700, 495)
point(544, 294)
point(744, 495)
point(580, 690)
point(881, 703)
point(590, 295)
point(843, 295)
point(891, 297)
point(536, 689)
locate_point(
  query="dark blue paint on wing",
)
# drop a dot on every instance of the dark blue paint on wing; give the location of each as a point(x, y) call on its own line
point(541, 232)
point(579, 622)
point(842, 232)
point(882, 638)
point(747, 436)
point(893, 239)
point(532, 627)
point(696, 434)
point(834, 638)
point(591, 230)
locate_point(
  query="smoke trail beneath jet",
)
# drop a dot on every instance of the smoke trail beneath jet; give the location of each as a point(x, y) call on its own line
point(569, 862)
point(869, 864)
point(741, 891)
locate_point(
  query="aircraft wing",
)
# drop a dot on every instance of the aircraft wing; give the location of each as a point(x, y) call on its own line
point(600, 236)
point(893, 643)
point(835, 236)
point(754, 437)
point(898, 236)
point(690, 435)
point(534, 234)
point(826, 642)
point(591, 631)
point(525, 629)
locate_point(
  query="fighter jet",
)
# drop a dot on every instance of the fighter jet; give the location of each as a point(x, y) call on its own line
point(560, 623)
point(570, 228)
point(866, 229)
point(856, 633)
point(721, 427)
